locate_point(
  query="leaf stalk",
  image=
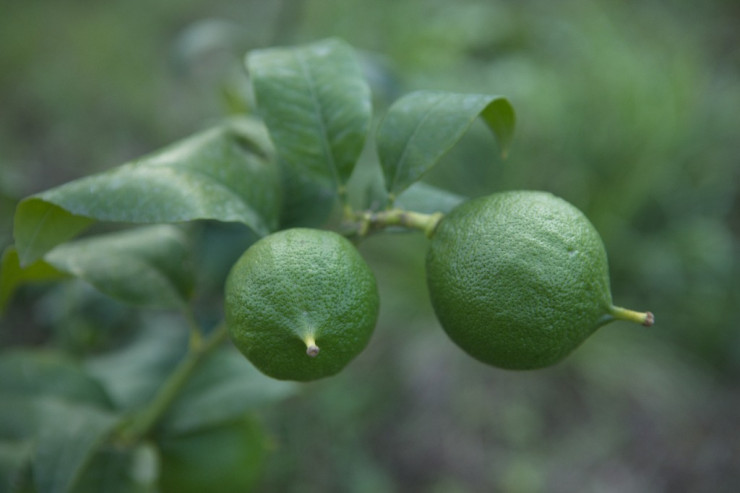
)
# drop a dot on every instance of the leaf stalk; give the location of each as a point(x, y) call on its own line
point(367, 222)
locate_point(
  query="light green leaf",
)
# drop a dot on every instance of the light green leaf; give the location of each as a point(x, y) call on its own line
point(67, 440)
point(49, 402)
point(316, 105)
point(428, 199)
point(13, 275)
point(223, 174)
point(39, 225)
point(421, 127)
point(48, 373)
point(149, 266)
point(18, 420)
point(225, 387)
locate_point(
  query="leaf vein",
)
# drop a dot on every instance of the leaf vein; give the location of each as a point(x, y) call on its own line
point(319, 117)
point(410, 140)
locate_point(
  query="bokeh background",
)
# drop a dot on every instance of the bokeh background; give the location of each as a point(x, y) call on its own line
point(630, 110)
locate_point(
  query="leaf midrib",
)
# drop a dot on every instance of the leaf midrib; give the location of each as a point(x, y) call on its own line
point(319, 114)
point(411, 138)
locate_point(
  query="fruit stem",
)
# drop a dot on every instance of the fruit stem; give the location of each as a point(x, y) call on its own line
point(373, 221)
point(145, 421)
point(311, 348)
point(645, 318)
point(343, 202)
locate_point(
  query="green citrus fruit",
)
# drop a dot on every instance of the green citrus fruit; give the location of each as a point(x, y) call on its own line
point(301, 304)
point(519, 279)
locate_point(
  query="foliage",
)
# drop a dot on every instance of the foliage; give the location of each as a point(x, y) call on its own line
point(626, 110)
point(316, 106)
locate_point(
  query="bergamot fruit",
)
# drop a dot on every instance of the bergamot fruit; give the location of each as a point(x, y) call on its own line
point(301, 304)
point(519, 279)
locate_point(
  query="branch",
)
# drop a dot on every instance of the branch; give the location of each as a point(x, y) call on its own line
point(144, 422)
point(364, 223)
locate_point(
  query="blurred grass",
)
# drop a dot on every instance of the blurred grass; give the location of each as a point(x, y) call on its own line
point(629, 110)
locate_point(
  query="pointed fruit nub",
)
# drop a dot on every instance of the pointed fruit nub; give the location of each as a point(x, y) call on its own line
point(311, 348)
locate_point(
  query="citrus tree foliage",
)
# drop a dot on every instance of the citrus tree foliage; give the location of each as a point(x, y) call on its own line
point(105, 424)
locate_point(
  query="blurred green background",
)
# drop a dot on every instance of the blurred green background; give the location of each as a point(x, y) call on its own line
point(630, 110)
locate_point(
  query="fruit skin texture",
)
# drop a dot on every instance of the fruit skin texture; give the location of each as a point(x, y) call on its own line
point(518, 279)
point(296, 293)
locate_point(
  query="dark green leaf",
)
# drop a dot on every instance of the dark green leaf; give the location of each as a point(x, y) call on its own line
point(421, 127)
point(217, 246)
point(13, 275)
point(224, 388)
point(425, 198)
point(68, 438)
point(307, 203)
point(316, 105)
point(226, 458)
point(224, 174)
point(7, 206)
point(15, 458)
point(148, 266)
point(115, 469)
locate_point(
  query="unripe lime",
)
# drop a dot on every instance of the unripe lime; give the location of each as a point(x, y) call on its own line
point(301, 304)
point(519, 279)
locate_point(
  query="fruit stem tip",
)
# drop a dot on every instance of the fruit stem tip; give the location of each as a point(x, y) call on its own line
point(311, 348)
point(645, 318)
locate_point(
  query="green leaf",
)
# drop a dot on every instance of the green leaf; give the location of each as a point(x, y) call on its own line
point(48, 373)
point(15, 457)
point(7, 206)
point(18, 420)
point(50, 436)
point(40, 225)
point(13, 275)
point(428, 199)
point(156, 351)
point(226, 458)
point(225, 387)
point(223, 174)
point(115, 469)
point(316, 105)
point(67, 440)
point(50, 402)
point(422, 126)
point(149, 266)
